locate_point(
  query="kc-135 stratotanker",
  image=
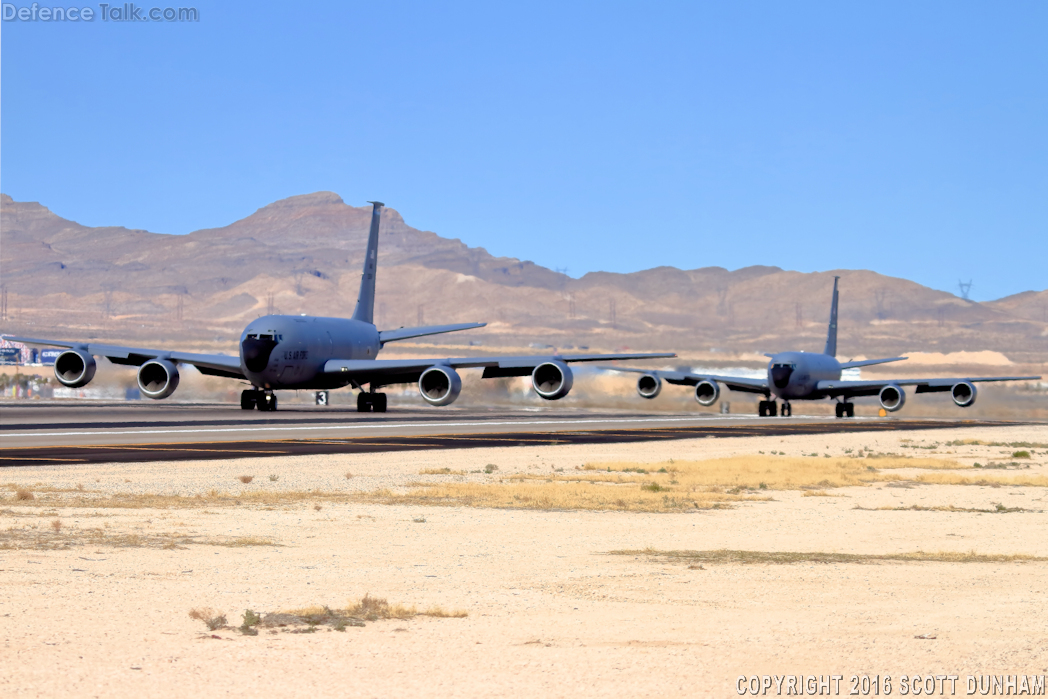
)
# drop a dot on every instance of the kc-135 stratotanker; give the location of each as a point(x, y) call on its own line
point(813, 376)
point(311, 353)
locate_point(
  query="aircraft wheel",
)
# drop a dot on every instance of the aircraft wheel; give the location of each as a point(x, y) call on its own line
point(267, 402)
point(363, 403)
point(849, 409)
point(767, 408)
point(787, 410)
point(247, 400)
point(839, 408)
point(379, 402)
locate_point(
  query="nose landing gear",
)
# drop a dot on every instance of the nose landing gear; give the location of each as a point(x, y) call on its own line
point(787, 409)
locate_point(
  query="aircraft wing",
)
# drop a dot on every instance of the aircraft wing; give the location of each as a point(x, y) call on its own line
point(684, 378)
point(385, 336)
point(211, 364)
point(382, 372)
point(848, 389)
point(870, 362)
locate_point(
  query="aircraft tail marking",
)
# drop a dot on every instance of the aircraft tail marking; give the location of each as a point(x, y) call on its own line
point(831, 334)
point(365, 309)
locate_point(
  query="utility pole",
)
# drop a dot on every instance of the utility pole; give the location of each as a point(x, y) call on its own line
point(611, 309)
point(3, 302)
point(965, 288)
point(269, 304)
point(571, 305)
point(800, 316)
point(421, 316)
point(179, 308)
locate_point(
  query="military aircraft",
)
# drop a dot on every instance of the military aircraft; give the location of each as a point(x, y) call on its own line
point(813, 376)
point(312, 353)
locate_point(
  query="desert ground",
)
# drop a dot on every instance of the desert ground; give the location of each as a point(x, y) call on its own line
point(851, 554)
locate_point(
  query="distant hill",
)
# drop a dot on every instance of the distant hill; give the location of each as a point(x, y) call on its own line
point(303, 255)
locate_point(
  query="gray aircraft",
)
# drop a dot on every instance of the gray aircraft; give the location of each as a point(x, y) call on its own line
point(813, 376)
point(312, 353)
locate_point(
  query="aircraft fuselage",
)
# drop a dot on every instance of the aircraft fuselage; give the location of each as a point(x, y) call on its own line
point(794, 375)
point(289, 352)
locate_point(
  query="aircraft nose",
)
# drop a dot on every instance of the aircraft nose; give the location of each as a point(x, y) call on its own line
point(780, 375)
point(256, 351)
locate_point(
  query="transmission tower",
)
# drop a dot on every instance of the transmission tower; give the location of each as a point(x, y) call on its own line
point(965, 287)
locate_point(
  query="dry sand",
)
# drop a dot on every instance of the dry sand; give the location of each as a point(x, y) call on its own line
point(550, 612)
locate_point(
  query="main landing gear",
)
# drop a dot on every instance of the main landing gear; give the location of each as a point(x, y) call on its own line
point(845, 409)
point(263, 400)
point(769, 408)
point(371, 402)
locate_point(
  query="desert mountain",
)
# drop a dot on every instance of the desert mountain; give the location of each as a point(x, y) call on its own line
point(303, 255)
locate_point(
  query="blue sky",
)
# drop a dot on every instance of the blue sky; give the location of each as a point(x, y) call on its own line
point(906, 138)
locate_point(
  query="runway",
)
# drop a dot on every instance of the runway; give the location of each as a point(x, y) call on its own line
point(79, 433)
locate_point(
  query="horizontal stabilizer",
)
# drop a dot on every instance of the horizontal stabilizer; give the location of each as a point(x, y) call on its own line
point(407, 333)
point(870, 362)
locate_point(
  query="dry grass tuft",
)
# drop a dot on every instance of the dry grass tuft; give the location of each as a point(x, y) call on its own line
point(555, 495)
point(954, 479)
point(55, 498)
point(367, 608)
point(998, 509)
point(725, 556)
point(245, 479)
point(672, 486)
point(24, 495)
point(440, 472)
point(816, 494)
point(60, 538)
point(212, 619)
point(349, 474)
point(375, 608)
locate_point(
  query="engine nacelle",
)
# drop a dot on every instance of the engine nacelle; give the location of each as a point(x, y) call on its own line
point(439, 385)
point(157, 378)
point(707, 392)
point(649, 386)
point(552, 380)
point(892, 397)
point(963, 393)
point(74, 368)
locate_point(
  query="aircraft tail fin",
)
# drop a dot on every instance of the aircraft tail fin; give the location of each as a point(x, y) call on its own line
point(831, 334)
point(365, 310)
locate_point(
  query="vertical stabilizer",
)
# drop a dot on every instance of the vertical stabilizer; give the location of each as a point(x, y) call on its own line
point(365, 309)
point(831, 334)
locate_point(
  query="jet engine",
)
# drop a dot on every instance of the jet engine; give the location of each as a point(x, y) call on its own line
point(707, 392)
point(892, 397)
point(157, 378)
point(963, 394)
point(649, 386)
point(74, 368)
point(439, 385)
point(552, 380)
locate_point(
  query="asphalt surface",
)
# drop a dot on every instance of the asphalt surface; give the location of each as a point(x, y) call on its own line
point(78, 433)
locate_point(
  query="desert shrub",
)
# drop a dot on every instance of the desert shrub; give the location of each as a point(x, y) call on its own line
point(211, 619)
